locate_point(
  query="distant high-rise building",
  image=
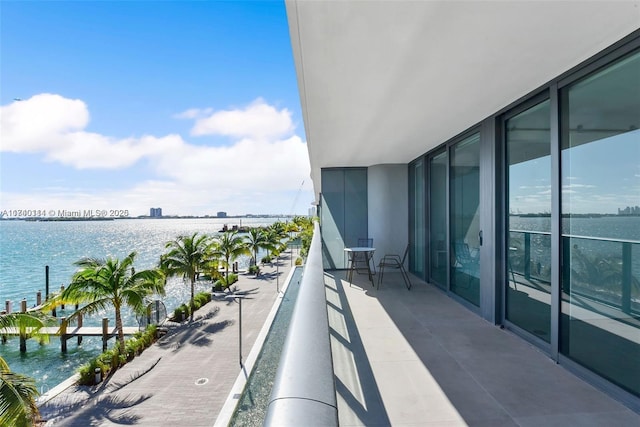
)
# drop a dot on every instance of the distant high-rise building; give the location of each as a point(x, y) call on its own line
point(222, 214)
point(155, 212)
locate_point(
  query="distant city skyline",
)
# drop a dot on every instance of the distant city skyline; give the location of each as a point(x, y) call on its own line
point(192, 106)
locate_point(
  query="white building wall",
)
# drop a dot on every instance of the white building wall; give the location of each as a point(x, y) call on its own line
point(388, 199)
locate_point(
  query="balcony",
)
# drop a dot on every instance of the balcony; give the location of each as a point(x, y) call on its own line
point(418, 357)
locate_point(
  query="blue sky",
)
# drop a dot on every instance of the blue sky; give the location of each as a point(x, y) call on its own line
point(188, 106)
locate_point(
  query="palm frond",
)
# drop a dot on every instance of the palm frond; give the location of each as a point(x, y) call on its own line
point(17, 399)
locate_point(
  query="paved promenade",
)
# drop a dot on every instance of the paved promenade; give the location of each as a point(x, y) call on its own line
point(183, 379)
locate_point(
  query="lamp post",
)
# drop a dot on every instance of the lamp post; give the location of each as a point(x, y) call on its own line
point(238, 298)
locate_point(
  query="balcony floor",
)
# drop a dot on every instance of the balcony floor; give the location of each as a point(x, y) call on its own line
point(419, 358)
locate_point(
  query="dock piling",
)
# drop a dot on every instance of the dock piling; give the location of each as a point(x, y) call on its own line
point(105, 333)
point(79, 326)
point(63, 334)
point(23, 331)
point(46, 282)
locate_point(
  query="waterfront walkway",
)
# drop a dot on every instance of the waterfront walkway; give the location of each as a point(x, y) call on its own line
point(183, 379)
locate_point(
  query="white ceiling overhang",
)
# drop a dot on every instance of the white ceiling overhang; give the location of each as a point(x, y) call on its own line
point(385, 81)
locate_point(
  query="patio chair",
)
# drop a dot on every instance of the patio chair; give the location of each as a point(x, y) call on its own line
point(394, 261)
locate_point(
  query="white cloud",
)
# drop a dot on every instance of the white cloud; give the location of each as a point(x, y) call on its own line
point(257, 120)
point(54, 126)
point(37, 124)
point(260, 173)
point(247, 164)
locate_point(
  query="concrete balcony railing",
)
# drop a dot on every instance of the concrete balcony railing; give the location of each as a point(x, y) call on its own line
point(304, 389)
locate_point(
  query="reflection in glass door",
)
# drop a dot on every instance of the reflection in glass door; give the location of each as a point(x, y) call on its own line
point(464, 240)
point(438, 218)
point(528, 292)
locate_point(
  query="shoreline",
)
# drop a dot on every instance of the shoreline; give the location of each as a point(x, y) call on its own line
point(55, 391)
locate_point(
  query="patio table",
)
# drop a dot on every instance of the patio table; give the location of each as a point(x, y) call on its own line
point(356, 252)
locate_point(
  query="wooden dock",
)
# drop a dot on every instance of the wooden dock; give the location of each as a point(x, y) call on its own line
point(84, 331)
point(65, 332)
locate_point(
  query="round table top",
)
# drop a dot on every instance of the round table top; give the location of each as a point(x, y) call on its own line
point(360, 249)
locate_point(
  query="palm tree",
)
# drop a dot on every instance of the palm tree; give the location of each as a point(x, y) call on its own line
point(275, 233)
point(111, 282)
point(290, 228)
point(279, 228)
point(230, 246)
point(18, 392)
point(256, 239)
point(187, 256)
point(305, 233)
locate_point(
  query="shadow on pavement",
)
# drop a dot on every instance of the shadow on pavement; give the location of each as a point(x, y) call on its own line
point(107, 408)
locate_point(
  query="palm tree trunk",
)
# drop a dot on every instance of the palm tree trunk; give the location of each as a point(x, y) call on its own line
point(255, 260)
point(119, 328)
point(193, 282)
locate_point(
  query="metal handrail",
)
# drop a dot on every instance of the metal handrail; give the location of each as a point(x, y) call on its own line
point(304, 389)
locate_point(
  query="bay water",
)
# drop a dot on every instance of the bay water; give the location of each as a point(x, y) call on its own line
point(26, 247)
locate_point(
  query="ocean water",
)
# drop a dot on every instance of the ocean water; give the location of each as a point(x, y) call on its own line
point(26, 247)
